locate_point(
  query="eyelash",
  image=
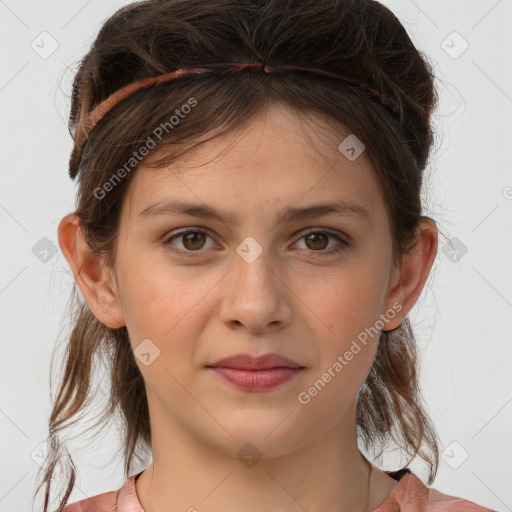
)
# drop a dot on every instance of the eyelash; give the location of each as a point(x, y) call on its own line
point(168, 243)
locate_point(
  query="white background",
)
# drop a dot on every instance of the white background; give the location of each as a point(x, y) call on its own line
point(463, 319)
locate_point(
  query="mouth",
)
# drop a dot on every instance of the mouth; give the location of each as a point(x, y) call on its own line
point(249, 362)
point(256, 373)
point(256, 380)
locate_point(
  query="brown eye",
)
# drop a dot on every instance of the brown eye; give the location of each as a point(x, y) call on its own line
point(317, 241)
point(192, 240)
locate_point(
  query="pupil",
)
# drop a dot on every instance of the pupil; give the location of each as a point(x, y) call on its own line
point(314, 237)
point(192, 236)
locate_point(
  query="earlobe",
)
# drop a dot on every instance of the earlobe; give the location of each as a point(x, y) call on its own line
point(410, 278)
point(91, 273)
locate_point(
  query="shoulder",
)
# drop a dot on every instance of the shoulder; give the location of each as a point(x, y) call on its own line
point(122, 500)
point(411, 495)
point(439, 501)
point(106, 502)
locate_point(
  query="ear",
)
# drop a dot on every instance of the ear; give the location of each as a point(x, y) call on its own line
point(409, 278)
point(91, 273)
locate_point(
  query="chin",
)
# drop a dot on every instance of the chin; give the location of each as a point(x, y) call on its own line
point(259, 434)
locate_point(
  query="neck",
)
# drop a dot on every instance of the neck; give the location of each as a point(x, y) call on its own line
point(328, 474)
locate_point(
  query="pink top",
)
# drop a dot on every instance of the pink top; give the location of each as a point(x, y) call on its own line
point(409, 495)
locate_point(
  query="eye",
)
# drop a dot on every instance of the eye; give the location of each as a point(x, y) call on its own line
point(316, 240)
point(193, 240)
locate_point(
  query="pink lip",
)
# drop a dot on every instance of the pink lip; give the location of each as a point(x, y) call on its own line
point(256, 373)
point(257, 380)
point(248, 362)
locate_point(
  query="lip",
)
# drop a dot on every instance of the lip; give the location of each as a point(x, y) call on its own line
point(249, 362)
point(256, 380)
point(256, 373)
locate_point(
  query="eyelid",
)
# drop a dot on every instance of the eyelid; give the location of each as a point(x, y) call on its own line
point(182, 231)
point(341, 237)
point(329, 231)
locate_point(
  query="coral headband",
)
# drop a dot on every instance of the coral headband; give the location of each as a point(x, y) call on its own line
point(87, 122)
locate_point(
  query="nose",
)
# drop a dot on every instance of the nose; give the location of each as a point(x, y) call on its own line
point(255, 293)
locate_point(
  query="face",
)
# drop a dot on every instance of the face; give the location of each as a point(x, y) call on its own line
point(195, 288)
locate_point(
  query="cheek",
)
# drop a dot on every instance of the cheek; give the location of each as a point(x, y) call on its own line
point(159, 311)
point(348, 302)
point(152, 291)
point(345, 351)
point(346, 308)
point(155, 303)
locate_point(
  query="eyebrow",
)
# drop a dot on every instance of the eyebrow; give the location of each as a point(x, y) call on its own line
point(338, 207)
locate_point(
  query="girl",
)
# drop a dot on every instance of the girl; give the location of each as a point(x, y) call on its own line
point(248, 241)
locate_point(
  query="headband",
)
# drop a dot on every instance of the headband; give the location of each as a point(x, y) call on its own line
point(86, 123)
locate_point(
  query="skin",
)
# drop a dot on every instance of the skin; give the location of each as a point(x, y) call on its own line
point(290, 300)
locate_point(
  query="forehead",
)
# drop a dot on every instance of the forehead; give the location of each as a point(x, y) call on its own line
point(277, 159)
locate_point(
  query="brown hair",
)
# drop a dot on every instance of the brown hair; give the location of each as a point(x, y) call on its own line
point(361, 39)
